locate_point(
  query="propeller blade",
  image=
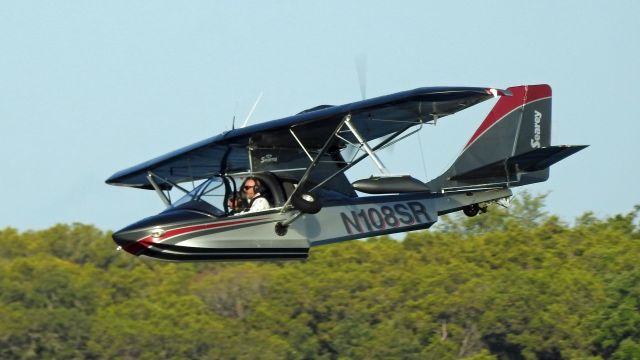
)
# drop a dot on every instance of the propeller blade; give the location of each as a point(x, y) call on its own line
point(252, 110)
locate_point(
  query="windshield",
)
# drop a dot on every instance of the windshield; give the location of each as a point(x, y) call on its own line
point(208, 196)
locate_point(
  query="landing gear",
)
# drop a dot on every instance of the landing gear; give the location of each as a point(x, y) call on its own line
point(306, 203)
point(282, 227)
point(473, 210)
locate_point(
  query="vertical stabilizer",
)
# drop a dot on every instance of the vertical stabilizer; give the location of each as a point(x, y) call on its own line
point(517, 124)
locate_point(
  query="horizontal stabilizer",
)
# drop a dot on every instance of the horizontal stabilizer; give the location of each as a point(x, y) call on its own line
point(390, 185)
point(534, 160)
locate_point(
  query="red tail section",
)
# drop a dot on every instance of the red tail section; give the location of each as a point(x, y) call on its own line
point(512, 146)
point(520, 97)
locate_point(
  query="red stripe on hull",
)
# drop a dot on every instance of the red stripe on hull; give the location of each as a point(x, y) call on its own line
point(145, 242)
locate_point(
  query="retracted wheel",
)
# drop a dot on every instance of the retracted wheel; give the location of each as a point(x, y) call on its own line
point(306, 202)
point(471, 210)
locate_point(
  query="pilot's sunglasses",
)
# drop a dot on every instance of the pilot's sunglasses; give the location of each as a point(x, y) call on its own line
point(249, 187)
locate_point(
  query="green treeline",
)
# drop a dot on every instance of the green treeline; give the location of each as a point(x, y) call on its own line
point(509, 284)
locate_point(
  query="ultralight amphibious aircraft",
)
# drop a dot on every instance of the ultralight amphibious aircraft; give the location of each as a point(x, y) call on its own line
point(298, 164)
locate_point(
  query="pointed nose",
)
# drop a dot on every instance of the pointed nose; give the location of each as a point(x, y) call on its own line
point(120, 238)
point(139, 236)
point(128, 242)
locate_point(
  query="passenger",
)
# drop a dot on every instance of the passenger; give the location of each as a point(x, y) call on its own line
point(253, 192)
point(235, 203)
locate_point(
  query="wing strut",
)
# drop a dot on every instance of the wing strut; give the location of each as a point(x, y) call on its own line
point(313, 164)
point(381, 145)
point(301, 145)
point(369, 152)
point(151, 177)
point(366, 147)
point(158, 190)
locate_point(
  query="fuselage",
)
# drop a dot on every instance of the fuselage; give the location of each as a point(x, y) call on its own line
point(187, 233)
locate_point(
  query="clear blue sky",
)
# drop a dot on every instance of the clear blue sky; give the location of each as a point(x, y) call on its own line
point(88, 88)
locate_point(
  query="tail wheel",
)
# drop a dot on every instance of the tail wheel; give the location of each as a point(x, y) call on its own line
point(307, 203)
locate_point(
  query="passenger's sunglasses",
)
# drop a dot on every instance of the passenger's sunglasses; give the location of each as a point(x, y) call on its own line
point(247, 187)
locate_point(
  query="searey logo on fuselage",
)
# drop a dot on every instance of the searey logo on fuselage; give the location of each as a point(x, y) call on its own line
point(537, 129)
point(268, 158)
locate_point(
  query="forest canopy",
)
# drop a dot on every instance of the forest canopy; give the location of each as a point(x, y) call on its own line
point(514, 283)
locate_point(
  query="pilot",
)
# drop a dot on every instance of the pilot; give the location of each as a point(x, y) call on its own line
point(252, 190)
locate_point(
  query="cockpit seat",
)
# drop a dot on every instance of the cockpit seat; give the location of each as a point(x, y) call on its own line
point(274, 190)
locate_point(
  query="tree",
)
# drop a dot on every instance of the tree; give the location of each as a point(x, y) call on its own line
point(513, 283)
